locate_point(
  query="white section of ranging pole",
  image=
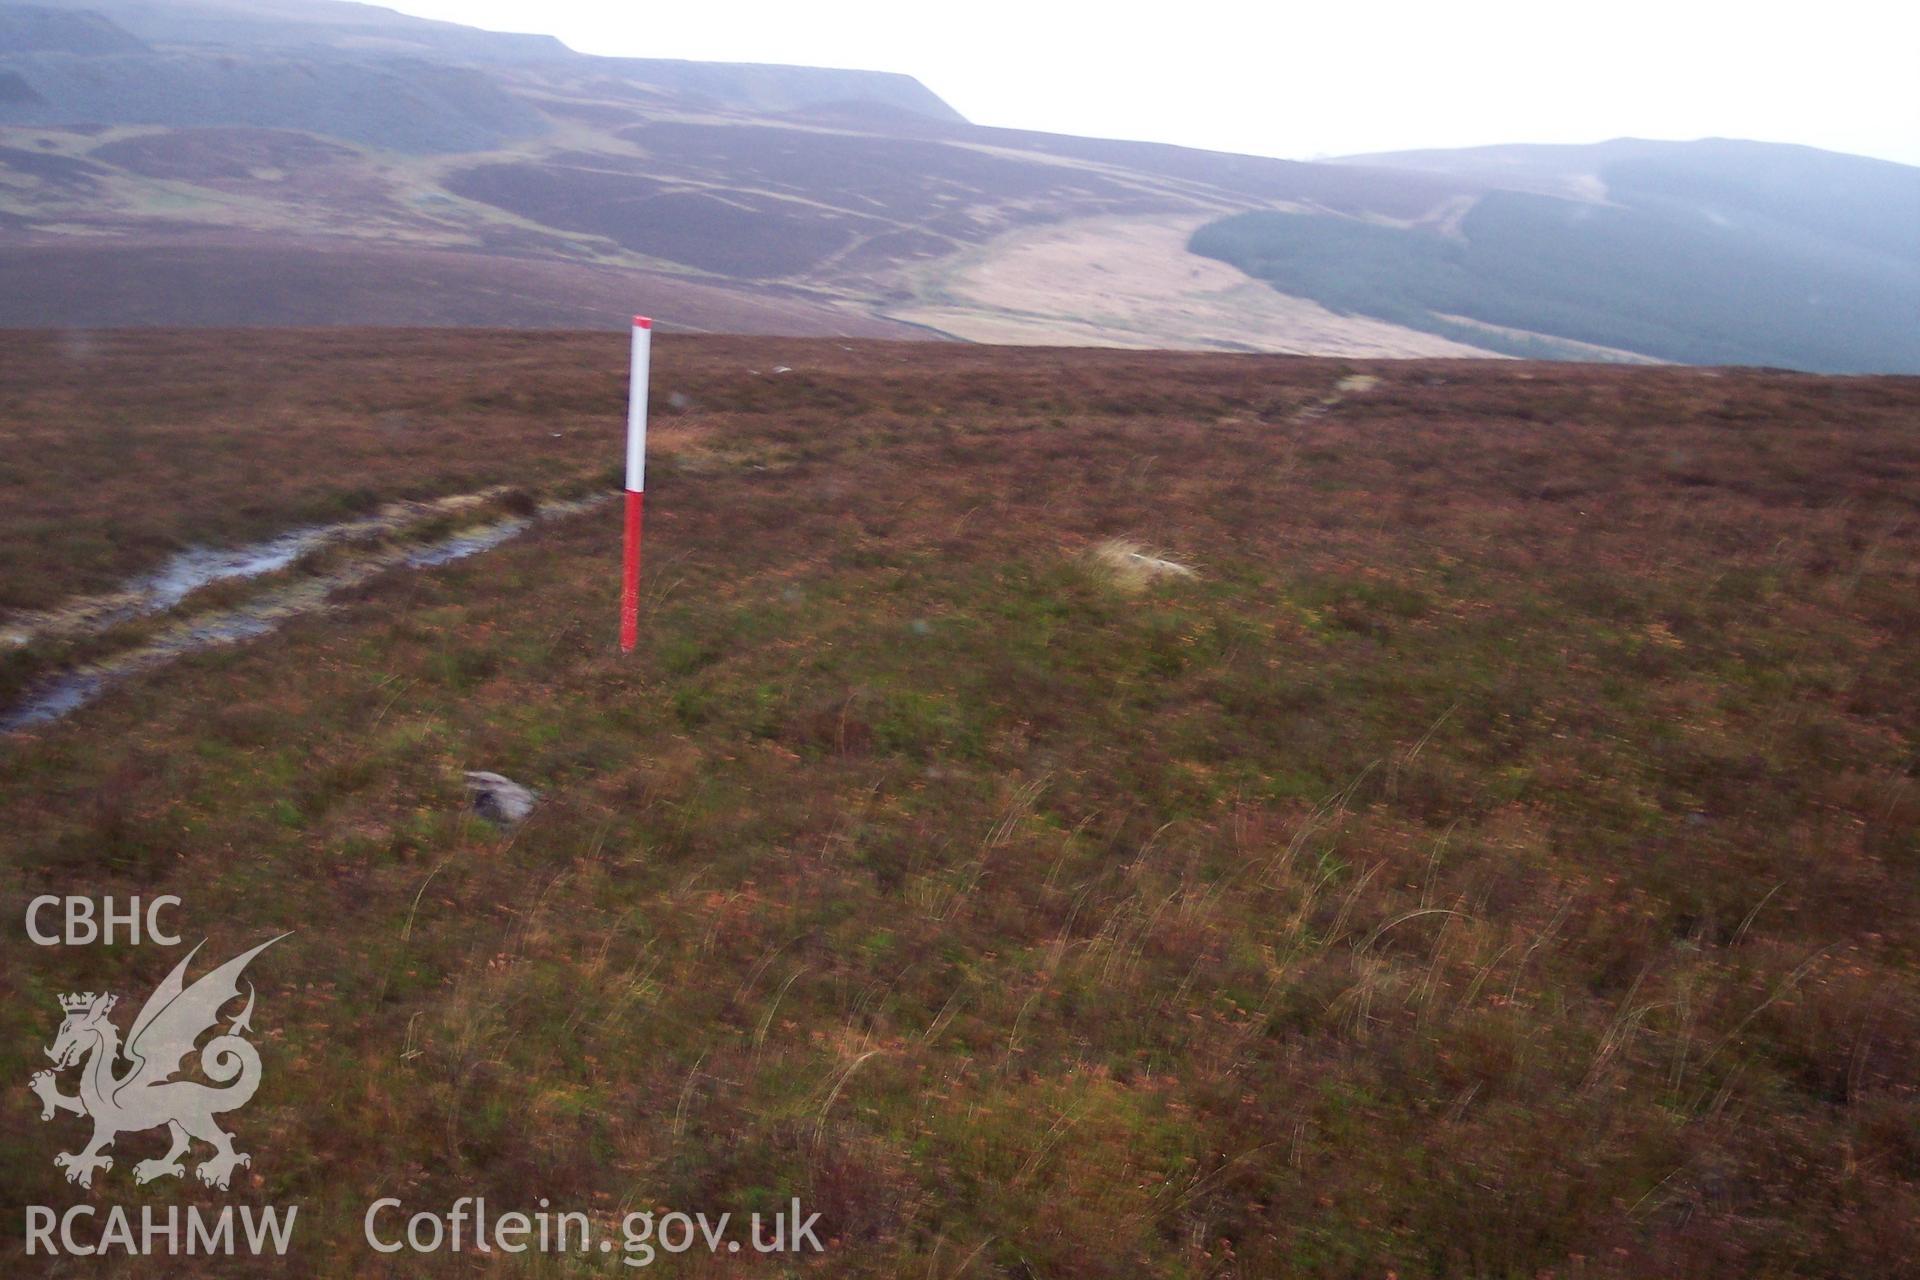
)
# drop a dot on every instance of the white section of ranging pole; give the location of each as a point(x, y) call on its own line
point(636, 483)
point(637, 405)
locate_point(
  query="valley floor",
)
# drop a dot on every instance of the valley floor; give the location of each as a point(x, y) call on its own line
point(1130, 282)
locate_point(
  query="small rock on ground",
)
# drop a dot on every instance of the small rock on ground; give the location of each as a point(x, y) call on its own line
point(498, 799)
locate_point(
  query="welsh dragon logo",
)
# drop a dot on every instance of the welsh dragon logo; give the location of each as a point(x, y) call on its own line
point(145, 1095)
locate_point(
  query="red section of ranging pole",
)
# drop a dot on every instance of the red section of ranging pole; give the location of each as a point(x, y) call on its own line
point(630, 578)
point(636, 482)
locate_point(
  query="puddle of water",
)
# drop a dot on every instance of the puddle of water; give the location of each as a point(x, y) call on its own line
point(463, 545)
point(67, 694)
point(186, 572)
point(63, 694)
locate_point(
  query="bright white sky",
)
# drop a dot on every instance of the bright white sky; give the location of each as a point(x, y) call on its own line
point(1327, 78)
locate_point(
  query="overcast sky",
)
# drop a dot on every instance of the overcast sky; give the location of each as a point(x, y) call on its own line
point(1328, 78)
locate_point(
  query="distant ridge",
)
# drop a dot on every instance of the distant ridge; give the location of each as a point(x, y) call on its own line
point(15, 89)
point(179, 162)
point(42, 29)
point(1720, 251)
point(361, 30)
point(774, 87)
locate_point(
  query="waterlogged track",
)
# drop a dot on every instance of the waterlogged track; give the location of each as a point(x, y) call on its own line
point(186, 572)
point(189, 571)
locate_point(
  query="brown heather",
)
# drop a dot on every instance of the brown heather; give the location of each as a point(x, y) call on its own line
point(1500, 859)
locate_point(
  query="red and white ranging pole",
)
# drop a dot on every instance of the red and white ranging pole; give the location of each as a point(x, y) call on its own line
point(636, 482)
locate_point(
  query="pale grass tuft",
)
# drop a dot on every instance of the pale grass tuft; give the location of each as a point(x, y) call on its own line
point(1131, 567)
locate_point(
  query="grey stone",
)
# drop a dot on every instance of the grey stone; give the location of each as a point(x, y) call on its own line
point(498, 799)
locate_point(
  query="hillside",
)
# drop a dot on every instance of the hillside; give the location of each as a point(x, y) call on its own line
point(1494, 857)
point(241, 137)
point(810, 200)
point(1716, 252)
point(245, 135)
point(29, 29)
point(1870, 204)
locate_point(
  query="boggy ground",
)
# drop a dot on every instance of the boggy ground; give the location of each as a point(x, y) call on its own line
point(1499, 859)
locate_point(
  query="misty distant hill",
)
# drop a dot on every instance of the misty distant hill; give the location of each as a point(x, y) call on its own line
point(295, 24)
point(1871, 204)
point(39, 29)
point(336, 45)
point(316, 161)
point(1718, 251)
point(401, 105)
